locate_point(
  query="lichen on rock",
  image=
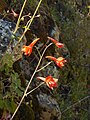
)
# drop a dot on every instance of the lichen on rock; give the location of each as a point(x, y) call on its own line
point(8, 41)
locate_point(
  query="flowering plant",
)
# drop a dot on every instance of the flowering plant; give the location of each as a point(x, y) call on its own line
point(28, 49)
point(59, 61)
point(49, 80)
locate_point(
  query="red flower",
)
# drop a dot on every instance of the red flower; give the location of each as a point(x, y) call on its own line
point(58, 44)
point(50, 81)
point(59, 61)
point(28, 49)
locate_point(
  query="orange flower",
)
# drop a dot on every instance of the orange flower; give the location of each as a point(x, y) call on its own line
point(28, 49)
point(50, 81)
point(59, 61)
point(14, 14)
point(58, 44)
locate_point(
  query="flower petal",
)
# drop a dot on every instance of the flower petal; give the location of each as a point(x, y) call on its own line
point(51, 57)
point(59, 61)
point(56, 80)
point(34, 42)
point(41, 78)
point(27, 50)
point(58, 44)
point(50, 81)
point(14, 14)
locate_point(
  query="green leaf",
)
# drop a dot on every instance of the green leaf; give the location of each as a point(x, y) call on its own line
point(19, 92)
point(16, 84)
point(15, 80)
point(1, 103)
point(10, 105)
point(7, 59)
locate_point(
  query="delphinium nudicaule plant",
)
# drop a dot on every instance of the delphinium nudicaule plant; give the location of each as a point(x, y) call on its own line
point(49, 80)
point(60, 61)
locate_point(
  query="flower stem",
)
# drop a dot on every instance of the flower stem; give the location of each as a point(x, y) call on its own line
point(25, 92)
point(30, 21)
point(34, 89)
point(19, 16)
point(44, 66)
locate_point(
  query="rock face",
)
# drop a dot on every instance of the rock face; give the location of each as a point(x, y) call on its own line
point(48, 107)
point(8, 40)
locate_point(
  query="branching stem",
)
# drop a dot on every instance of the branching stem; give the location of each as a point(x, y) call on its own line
point(34, 89)
point(30, 21)
point(25, 92)
point(44, 66)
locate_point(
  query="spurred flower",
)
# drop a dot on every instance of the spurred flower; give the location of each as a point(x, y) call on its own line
point(59, 61)
point(14, 13)
point(28, 49)
point(50, 81)
point(58, 44)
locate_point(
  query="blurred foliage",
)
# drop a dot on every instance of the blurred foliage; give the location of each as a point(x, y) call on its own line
point(72, 16)
point(10, 85)
point(3, 5)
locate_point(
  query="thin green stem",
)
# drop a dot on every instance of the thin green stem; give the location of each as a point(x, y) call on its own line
point(30, 21)
point(20, 16)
